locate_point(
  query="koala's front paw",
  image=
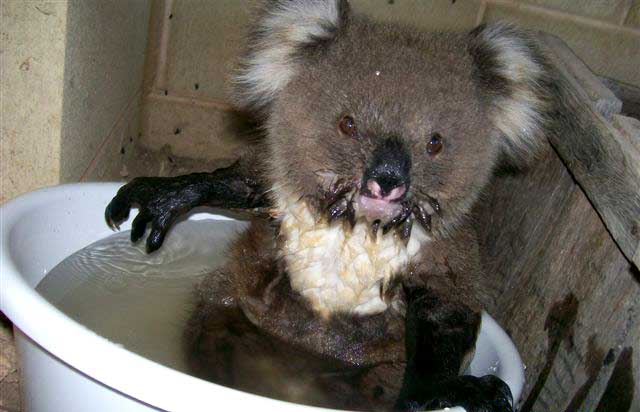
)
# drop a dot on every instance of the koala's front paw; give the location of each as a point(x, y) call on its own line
point(160, 201)
point(486, 394)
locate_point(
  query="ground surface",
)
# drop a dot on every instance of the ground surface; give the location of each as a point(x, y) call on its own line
point(9, 380)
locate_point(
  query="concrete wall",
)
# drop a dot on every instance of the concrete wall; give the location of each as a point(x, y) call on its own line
point(32, 61)
point(71, 84)
point(104, 64)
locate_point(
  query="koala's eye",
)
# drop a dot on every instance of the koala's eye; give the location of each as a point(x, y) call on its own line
point(347, 126)
point(435, 144)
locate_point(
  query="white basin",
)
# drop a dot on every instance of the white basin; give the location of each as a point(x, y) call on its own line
point(66, 367)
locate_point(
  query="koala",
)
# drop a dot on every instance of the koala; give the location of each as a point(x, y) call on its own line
point(358, 283)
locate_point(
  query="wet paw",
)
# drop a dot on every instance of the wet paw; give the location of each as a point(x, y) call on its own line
point(159, 200)
point(485, 394)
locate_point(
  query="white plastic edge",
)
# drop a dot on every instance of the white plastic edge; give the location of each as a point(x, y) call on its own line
point(114, 366)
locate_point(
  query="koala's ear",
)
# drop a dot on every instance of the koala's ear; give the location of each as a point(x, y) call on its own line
point(283, 28)
point(515, 77)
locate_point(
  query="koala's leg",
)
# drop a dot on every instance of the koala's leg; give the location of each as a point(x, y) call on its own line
point(440, 334)
point(162, 199)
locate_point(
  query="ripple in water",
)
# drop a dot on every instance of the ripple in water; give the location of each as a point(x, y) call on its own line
point(138, 300)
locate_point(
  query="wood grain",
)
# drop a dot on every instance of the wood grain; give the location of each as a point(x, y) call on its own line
point(569, 296)
point(582, 79)
point(600, 158)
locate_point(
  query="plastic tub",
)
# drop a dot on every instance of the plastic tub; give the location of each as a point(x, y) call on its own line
point(66, 367)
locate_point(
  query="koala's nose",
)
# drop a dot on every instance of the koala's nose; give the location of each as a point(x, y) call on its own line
point(387, 176)
point(386, 192)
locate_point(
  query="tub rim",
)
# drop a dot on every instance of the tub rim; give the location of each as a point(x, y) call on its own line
point(104, 361)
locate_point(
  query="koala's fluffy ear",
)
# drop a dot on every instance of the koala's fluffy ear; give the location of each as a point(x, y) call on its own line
point(516, 79)
point(283, 28)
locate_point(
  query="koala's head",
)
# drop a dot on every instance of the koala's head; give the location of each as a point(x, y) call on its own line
point(406, 117)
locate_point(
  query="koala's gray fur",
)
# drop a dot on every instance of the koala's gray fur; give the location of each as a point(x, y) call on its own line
point(485, 92)
point(309, 64)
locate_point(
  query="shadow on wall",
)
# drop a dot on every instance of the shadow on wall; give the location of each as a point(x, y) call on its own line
point(105, 55)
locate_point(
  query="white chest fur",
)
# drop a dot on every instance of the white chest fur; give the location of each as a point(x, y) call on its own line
point(339, 269)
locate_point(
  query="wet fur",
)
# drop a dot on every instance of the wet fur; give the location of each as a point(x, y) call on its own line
point(308, 63)
point(250, 330)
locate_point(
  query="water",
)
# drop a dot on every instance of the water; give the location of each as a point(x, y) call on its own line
point(137, 300)
point(142, 302)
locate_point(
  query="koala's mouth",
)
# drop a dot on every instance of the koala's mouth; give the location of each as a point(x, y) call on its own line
point(391, 208)
point(373, 203)
point(374, 209)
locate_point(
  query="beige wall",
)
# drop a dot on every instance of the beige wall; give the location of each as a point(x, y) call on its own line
point(603, 33)
point(73, 72)
point(71, 80)
point(32, 62)
point(104, 62)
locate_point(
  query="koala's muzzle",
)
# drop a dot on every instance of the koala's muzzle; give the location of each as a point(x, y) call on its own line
point(387, 176)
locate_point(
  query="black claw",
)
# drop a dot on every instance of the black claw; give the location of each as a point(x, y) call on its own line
point(159, 228)
point(116, 212)
point(154, 241)
point(107, 218)
point(338, 209)
point(423, 217)
point(434, 204)
point(398, 220)
point(405, 229)
point(375, 226)
point(350, 214)
point(340, 188)
point(484, 394)
point(139, 226)
point(501, 393)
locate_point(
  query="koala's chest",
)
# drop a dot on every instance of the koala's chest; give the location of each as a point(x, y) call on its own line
point(340, 269)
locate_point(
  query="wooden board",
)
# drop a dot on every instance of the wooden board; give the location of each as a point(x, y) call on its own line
point(583, 79)
point(570, 299)
point(600, 158)
point(629, 94)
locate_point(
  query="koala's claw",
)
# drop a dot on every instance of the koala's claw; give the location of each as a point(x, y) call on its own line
point(159, 204)
point(423, 217)
point(405, 228)
point(139, 226)
point(340, 188)
point(338, 209)
point(485, 394)
point(435, 205)
point(116, 213)
point(159, 228)
point(339, 197)
point(374, 227)
point(399, 220)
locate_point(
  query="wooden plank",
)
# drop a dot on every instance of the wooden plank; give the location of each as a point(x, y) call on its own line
point(630, 129)
point(629, 94)
point(601, 159)
point(569, 298)
point(592, 88)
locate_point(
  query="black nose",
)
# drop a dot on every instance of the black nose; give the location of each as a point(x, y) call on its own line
point(390, 166)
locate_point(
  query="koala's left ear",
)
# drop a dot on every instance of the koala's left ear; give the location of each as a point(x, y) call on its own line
point(515, 77)
point(283, 28)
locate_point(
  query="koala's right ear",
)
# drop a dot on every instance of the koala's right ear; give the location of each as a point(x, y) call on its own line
point(282, 29)
point(515, 75)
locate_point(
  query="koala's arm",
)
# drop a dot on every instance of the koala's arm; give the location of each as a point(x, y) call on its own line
point(162, 199)
point(444, 298)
